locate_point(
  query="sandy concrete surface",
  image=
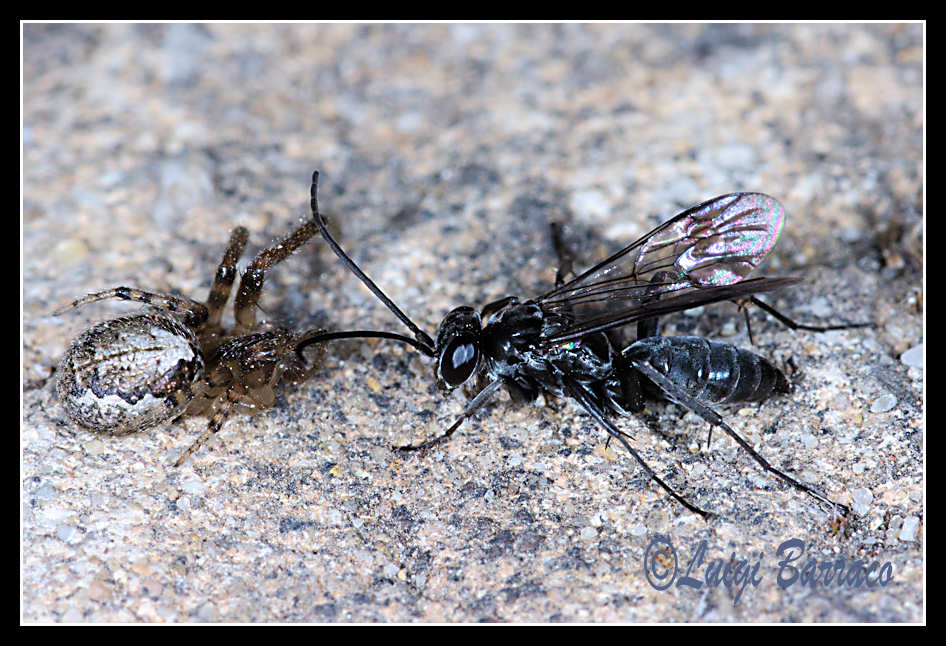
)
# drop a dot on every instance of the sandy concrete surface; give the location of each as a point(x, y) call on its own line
point(445, 151)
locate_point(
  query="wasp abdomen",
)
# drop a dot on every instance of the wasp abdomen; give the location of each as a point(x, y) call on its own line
point(711, 371)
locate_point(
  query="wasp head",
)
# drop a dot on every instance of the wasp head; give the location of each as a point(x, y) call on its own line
point(458, 347)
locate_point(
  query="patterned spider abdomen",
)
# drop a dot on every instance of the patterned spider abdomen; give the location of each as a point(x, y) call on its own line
point(130, 373)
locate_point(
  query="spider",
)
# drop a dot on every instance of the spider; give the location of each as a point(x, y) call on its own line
point(135, 372)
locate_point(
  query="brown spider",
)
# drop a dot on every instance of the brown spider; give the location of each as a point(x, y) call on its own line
point(137, 371)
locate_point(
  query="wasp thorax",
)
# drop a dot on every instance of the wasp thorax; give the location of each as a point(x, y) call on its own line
point(458, 346)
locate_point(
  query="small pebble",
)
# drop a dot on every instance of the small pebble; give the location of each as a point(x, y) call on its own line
point(863, 496)
point(883, 403)
point(656, 520)
point(46, 492)
point(94, 447)
point(908, 528)
point(100, 591)
point(590, 203)
point(67, 533)
point(913, 357)
point(194, 487)
point(861, 501)
point(893, 530)
point(70, 251)
point(820, 307)
point(208, 612)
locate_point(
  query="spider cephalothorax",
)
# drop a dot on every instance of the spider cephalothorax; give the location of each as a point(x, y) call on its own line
point(138, 371)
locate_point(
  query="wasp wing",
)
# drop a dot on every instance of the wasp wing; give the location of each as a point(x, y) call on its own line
point(713, 244)
point(677, 301)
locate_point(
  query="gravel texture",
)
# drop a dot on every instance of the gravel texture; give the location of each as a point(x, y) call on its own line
point(445, 151)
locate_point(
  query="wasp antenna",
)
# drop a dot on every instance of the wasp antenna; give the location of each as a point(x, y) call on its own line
point(421, 336)
point(314, 193)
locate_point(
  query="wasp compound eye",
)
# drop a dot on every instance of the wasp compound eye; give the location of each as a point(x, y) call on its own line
point(458, 361)
point(458, 346)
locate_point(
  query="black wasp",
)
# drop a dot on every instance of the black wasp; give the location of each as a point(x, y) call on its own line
point(557, 343)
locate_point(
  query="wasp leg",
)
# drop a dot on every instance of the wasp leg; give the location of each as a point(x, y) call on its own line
point(587, 402)
point(677, 394)
point(566, 256)
point(481, 398)
point(789, 323)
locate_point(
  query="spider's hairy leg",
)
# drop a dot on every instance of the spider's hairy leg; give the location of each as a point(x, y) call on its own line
point(251, 284)
point(226, 274)
point(195, 312)
point(233, 395)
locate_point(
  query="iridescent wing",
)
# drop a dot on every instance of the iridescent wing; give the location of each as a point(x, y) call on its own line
point(700, 256)
point(678, 301)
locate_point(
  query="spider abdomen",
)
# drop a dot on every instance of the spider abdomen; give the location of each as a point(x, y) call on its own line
point(130, 373)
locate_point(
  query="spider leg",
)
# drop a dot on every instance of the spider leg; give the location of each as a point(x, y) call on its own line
point(195, 313)
point(251, 284)
point(226, 273)
point(232, 396)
